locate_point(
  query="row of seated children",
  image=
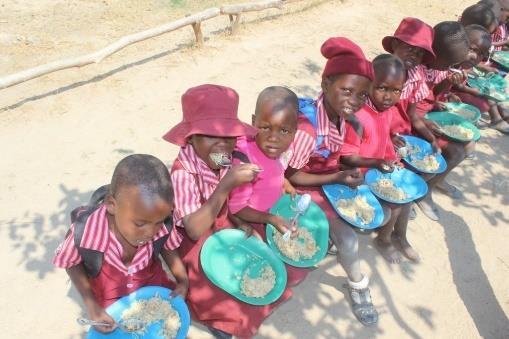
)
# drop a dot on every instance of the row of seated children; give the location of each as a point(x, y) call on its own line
point(355, 124)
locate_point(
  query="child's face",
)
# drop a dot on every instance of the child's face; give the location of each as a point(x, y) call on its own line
point(138, 215)
point(276, 129)
point(410, 55)
point(455, 57)
point(493, 27)
point(385, 92)
point(478, 51)
point(504, 4)
point(344, 95)
point(205, 144)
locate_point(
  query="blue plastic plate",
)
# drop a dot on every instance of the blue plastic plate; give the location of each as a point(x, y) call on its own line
point(115, 311)
point(226, 255)
point(426, 149)
point(412, 184)
point(314, 220)
point(336, 192)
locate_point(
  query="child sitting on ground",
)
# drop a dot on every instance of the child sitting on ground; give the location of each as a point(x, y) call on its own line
point(113, 246)
point(203, 180)
point(315, 160)
point(276, 119)
point(370, 146)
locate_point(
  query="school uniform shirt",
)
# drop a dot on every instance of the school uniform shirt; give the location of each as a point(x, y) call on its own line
point(414, 90)
point(98, 236)
point(375, 141)
point(500, 34)
point(263, 192)
point(193, 183)
point(304, 144)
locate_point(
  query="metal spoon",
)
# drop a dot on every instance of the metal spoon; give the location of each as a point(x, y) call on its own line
point(302, 206)
point(130, 325)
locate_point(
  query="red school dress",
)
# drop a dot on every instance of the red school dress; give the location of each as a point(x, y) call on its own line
point(375, 141)
point(264, 192)
point(116, 278)
point(316, 148)
point(193, 183)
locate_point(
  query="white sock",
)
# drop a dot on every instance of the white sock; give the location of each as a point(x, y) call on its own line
point(360, 284)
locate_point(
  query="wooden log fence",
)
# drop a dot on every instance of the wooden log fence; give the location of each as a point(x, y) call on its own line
point(233, 11)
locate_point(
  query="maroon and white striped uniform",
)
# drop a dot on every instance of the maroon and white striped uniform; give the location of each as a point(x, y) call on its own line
point(98, 236)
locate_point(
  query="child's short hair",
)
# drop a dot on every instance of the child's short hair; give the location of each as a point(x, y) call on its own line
point(385, 64)
point(280, 97)
point(144, 171)
point(484, 35)
point(449, 36)
point(478, 14)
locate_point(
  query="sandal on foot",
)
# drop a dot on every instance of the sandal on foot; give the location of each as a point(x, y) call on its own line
point(428, 210)
point(452, 191)
point(501, 126)
point(362, 306)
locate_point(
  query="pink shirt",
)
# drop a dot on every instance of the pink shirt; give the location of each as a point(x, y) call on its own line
point(304, 143)
point(500, 34)
point(98, 236)
point(193, 183)
point(415, 88)
point(263, 193)
point(376, 141)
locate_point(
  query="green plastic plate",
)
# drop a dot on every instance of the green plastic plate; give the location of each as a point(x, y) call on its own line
point(446, 118)
point(226, 255)
point(501, 58)
point(314, 220)
point(490, 85)
point(469, 112)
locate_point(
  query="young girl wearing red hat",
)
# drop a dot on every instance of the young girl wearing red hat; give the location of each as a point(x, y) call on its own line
point(113, 246)
point(444, 46)
point(369, 146)
point(315, 162)
point(207, 133)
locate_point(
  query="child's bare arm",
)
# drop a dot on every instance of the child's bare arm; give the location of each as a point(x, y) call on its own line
point(420, 126)
point(355, 160)
point(177, 268)
point(251, 215)
point(351, 177)
point(95, 311)
point(467, 89)
point(486, 68)
point(202, 219)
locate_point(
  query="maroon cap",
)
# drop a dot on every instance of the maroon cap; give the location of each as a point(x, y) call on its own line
point(209, 110)
point(415, 33)
point(345, 57)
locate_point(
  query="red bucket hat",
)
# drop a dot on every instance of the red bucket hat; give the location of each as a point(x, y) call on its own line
point(344, 56)
point(209, 110)
point(413, 32)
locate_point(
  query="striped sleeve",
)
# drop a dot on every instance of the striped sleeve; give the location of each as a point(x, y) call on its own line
point(187, 195)
point(66, 254)
point(174, 240)
point(303, 147)
point(352, 144)
point(420, 92)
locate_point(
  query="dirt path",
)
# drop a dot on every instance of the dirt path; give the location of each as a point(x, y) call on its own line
point(62, 134)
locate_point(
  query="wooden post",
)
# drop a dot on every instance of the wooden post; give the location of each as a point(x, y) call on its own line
point(198, 34)
point(234, 23)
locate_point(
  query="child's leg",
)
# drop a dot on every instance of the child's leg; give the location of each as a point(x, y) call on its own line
point(399, 238)
point(497, 116)
point(383, 242)
point(347, 244)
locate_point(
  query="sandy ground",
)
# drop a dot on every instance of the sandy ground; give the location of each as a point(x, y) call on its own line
point(62, 134)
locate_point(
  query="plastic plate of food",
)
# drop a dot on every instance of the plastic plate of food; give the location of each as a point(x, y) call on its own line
point(244, 267)
point(161, 316)
point(469, 112)
point(310, 246)
point(455, 127)
point(401, 186)
point(358, 206)
point(419, 155)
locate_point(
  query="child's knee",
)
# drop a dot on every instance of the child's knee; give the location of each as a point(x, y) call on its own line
point(344, 237)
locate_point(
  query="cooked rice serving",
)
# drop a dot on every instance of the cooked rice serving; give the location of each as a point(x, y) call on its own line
point(260, 286)
point(464, 112)
point(301, 247)
point(152, 310)
point(385, 187)
point(428, 163)
point(357, 207)
point(459, 132)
